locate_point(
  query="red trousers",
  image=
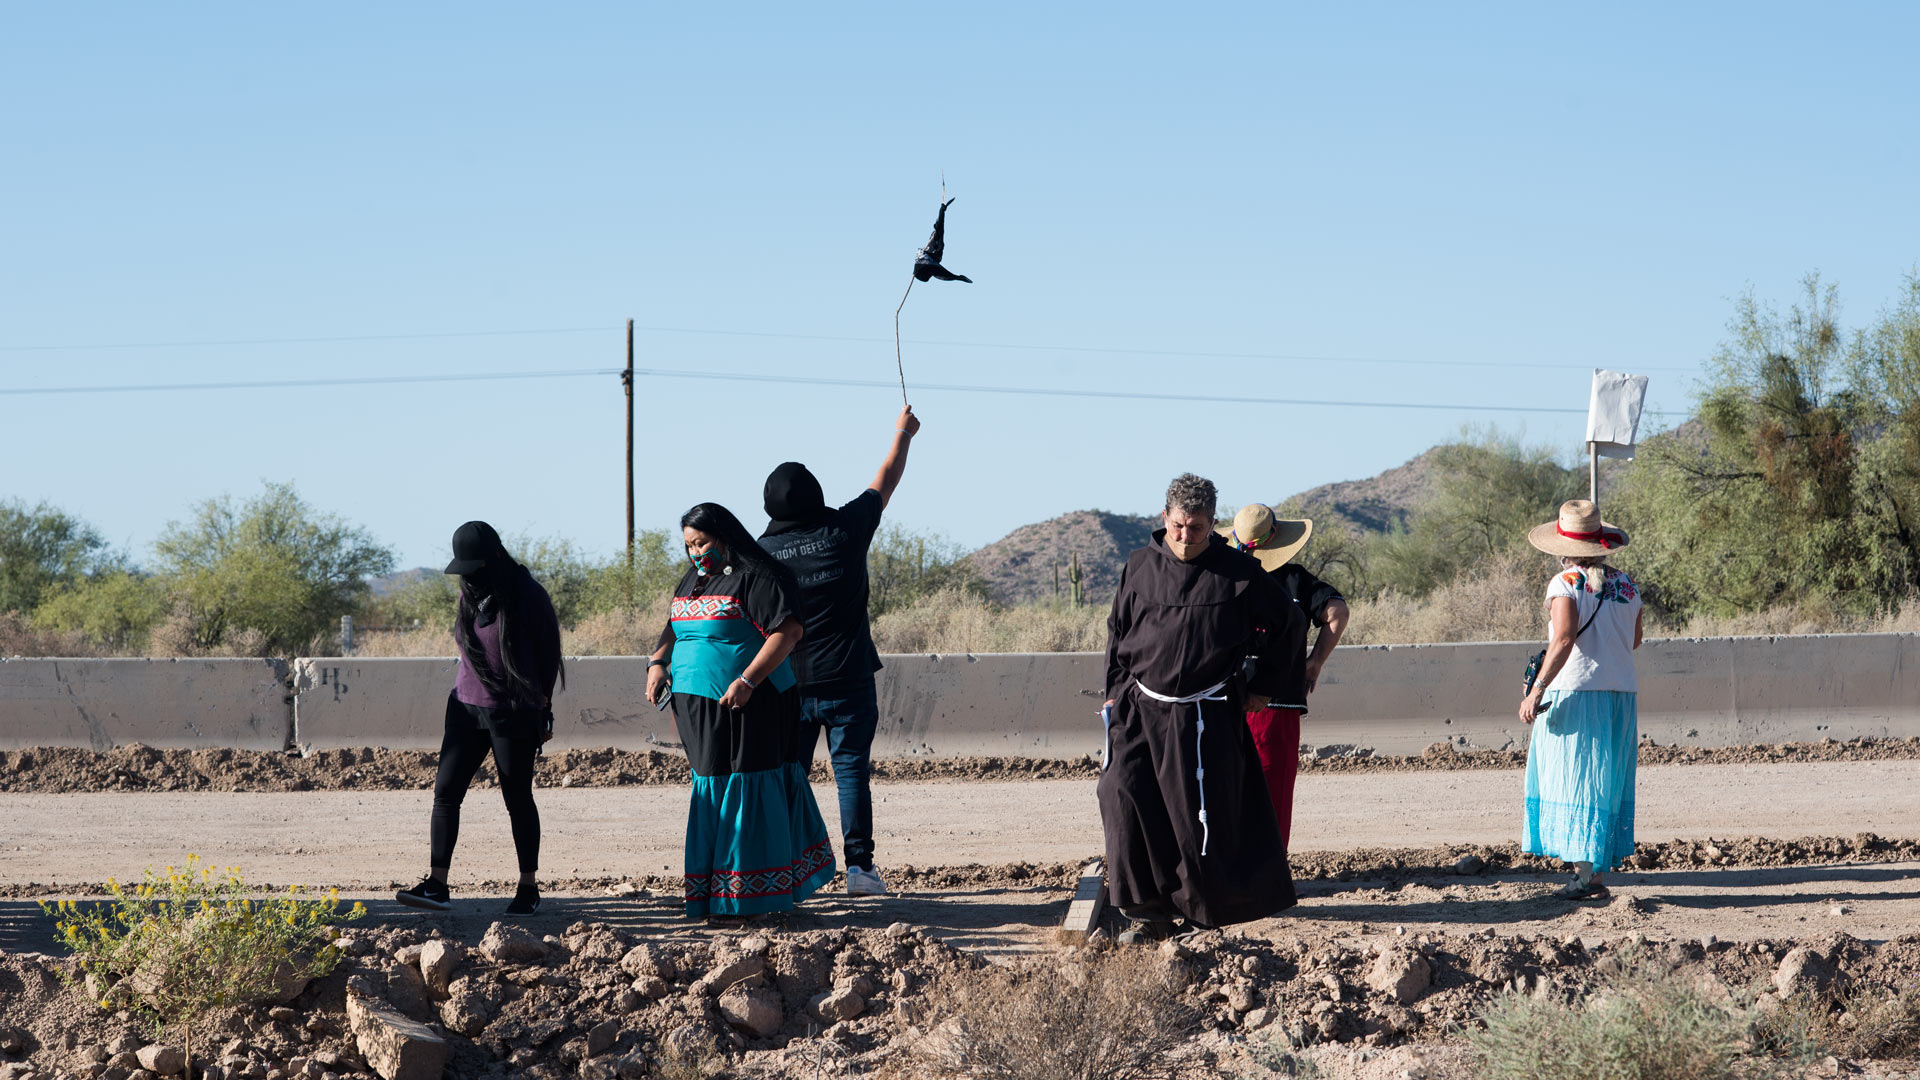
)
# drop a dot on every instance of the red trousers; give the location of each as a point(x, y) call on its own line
point(1276, 734)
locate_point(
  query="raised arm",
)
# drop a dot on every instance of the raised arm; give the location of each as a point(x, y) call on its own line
point(895, 466)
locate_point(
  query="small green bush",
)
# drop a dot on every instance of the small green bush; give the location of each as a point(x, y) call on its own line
point(180, 944)
point(1643, 1022)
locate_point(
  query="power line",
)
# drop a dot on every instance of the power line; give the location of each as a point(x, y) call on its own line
point(284, 384)
point(225, 342)
point(1130, 395)
point(804, 380)
point(1528, 365)
point(1533, 365)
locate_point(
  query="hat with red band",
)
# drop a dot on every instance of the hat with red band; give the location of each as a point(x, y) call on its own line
point(1578, 532)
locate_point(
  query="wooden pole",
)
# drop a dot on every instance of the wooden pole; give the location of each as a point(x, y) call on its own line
point(626, 380)
point(1593, 475)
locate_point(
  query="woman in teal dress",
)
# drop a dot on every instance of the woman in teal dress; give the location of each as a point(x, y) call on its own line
point(1584, 707)
point(756, 843)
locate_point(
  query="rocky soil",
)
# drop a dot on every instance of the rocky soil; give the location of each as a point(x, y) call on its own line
point(600, 1002)
point(68, 770)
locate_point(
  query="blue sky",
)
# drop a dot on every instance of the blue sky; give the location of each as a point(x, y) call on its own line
point(1438, 205)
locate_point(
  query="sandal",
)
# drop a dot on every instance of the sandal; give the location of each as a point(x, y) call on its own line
point(1592, 890)
point(1145, 931)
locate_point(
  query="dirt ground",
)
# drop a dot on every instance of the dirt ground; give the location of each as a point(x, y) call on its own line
point(67, 770)
point(1738, 863)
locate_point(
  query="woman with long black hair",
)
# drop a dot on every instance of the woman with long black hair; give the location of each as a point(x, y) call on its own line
point(502, 702)
point(756, 843)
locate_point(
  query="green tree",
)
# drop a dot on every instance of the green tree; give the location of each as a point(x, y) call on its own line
point(1798, 483)
point(1490, 490)
point(116, 608)
point(272, 564)
point(41, 548)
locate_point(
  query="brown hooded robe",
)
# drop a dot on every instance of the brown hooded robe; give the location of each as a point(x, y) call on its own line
point(1179, 629)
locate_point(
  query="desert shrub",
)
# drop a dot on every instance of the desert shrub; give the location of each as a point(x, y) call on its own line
point(1642, 1022)
point(181, 944)
point(1108, 1014)
point(905, 567)
point(1865, 1022)
point(184, 632)
point(20, 637)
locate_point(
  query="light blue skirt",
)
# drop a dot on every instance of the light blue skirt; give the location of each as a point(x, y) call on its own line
point(1580, 771)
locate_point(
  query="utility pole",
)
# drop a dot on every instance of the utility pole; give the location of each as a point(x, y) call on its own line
point(626, 380)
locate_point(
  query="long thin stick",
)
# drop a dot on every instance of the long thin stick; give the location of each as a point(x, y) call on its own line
point(896, 341)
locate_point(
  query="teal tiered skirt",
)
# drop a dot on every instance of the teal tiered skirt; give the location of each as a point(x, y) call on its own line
point(1580, 777)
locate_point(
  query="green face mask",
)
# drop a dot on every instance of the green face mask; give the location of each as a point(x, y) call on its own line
point(707, 563)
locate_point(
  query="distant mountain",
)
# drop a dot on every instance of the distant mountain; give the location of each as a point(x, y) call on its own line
point(1019, 568)
point(383, 584)
point(1376, 504)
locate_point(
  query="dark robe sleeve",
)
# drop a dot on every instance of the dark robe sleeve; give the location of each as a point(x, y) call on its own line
point(1119, 621)
point(1273, 610)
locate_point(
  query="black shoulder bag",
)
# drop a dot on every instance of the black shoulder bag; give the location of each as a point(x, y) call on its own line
point(1540, 658)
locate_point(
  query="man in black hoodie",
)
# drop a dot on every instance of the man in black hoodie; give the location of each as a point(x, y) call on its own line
point(827, 550)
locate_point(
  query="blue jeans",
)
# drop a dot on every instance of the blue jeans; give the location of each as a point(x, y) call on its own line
point(849, 719)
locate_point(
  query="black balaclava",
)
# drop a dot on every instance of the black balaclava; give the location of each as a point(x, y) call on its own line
point(793, 498)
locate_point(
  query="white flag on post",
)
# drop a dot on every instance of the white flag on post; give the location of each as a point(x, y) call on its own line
point(1613, 415)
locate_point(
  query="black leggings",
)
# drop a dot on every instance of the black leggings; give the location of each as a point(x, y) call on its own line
point(462, 751)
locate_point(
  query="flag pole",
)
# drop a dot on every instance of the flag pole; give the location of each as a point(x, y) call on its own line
point(1593, 475)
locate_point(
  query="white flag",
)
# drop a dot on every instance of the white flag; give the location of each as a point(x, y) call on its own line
point(1613, 416)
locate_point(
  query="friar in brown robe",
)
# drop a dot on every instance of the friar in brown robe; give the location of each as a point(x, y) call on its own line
point(1190, 830)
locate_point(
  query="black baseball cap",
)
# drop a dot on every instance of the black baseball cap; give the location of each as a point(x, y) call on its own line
point(473, 544)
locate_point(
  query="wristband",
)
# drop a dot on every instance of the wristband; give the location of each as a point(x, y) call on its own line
point(751, 685)
point(905, 432)
point(656, 663)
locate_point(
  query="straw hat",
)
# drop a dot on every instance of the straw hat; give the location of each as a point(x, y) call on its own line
point(1579, 532)
point(1271, 540)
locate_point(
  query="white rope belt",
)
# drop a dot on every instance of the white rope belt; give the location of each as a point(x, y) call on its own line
point(1216, 692)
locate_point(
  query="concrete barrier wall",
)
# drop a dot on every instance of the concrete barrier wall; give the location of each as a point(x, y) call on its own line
point(1400, 699)
point(167, 703)
point(1396, 699)
point(347, 701)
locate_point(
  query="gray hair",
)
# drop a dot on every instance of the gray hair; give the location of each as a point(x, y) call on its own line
point(1594, 568)
point(1193, 494)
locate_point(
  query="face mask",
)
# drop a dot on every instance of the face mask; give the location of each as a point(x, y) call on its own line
point(707, 563)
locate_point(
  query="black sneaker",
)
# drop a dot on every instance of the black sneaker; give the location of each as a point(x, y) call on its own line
point(430, 894)
point(526, 901)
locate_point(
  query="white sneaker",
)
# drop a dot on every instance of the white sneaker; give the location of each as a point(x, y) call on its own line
point(864, 882)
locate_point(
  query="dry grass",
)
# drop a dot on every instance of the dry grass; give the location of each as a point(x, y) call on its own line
point(630, 632)
point(419, 641)
point(1103, 1014)
point(1506, 601)
point(954, 621)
